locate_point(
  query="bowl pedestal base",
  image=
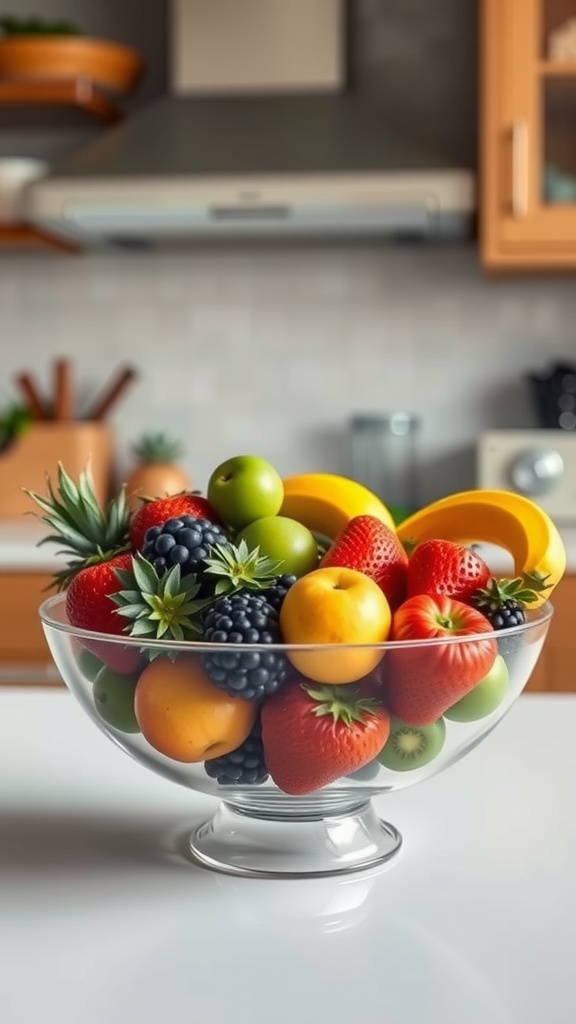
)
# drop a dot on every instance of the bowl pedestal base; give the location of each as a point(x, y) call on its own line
point(315, 838)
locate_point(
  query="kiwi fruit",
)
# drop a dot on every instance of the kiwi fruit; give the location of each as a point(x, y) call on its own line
point(114, 699)
point(412, 746)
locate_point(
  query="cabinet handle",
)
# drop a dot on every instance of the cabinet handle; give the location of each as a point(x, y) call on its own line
point(519, 169)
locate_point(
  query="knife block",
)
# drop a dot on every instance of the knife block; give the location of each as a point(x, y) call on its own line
point(36, 454)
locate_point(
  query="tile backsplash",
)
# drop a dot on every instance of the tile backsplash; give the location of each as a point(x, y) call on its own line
point(271, 349)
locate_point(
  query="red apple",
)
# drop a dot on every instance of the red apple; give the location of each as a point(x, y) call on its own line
point(452, 647)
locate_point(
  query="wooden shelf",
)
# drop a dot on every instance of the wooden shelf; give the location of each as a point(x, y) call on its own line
point(78, 92)
point(557, 69)
point(26, 235)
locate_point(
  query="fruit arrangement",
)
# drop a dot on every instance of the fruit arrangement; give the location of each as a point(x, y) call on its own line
point(285, 630)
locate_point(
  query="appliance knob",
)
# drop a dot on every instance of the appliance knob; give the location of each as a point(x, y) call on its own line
point(536, 471)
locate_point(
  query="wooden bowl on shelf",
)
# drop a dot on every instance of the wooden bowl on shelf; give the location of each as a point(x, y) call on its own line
point(33, 58)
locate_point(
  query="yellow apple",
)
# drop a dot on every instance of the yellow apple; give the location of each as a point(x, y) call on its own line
point(338, 607)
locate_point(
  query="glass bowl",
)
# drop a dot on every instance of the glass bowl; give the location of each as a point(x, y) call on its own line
point(257, 828)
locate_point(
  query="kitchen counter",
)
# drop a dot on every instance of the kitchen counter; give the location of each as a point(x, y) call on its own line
point(19, 548)
point(19, 539)
point(105, 919)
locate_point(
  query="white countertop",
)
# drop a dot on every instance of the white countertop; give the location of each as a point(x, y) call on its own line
point(103, 919)
point(19, 548)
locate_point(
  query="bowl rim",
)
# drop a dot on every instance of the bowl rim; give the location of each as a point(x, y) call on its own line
point(538, 617)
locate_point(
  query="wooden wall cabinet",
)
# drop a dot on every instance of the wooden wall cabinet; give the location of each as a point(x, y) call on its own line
point(527, 134)
point(556, 668)
point(24, 654)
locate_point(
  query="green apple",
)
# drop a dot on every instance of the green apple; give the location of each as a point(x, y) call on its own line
point(283, 540)
point(114, 699)
point(245, 488)
point(412, 746)
point(88, 664)
point(485, 697)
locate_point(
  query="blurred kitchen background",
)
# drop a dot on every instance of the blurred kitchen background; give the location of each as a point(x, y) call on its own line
point(274, 347)
point(273, 351)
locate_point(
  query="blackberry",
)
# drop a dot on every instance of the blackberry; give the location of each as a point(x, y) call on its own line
point(244, 619)
point(276, 594)
point(184, 541)
point(503, 602)
point(509, 613)
point(244, 766)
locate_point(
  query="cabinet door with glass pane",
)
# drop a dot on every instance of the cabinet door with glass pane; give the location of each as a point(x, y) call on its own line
point(528, 134)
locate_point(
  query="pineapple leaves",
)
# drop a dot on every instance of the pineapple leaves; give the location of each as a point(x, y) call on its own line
point(157, 448)
point(159, 607)
point(521, 589)
point(167, 606)
point(535, 583)
point(146, 578)
point(239, 567)
point(87, 532)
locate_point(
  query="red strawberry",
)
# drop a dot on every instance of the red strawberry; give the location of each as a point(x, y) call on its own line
point(88, 606)
point(155, 513)
point(313, 734)
point(371, 547)
point(446, 569)
point(425, 679)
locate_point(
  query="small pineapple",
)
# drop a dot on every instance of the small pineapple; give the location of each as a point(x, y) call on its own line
point(239, 568)
point(156, 473)
point(159, 607)
point(170, 604)
point(86, 532)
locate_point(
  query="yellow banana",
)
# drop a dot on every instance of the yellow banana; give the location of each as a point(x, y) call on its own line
point(504, 518)
point(325, 502)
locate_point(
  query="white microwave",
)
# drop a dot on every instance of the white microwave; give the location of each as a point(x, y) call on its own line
point(540, 464)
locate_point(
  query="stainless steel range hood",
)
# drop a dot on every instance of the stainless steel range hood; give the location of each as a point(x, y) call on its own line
point(259, 138)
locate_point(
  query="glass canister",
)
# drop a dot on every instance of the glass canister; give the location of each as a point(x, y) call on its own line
point(383, 457)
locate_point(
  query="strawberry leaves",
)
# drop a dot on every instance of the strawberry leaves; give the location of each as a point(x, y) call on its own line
point(313, 735)
point(343, 705)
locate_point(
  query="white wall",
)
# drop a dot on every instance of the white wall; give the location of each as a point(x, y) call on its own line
point(269, 351)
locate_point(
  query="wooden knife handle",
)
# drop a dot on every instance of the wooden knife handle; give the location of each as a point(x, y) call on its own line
point(30, 394)
point(111, 394)
point(63, 405)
